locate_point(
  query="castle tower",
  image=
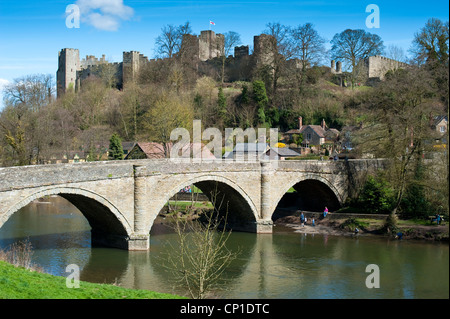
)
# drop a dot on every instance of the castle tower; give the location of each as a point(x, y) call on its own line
point(264, 50)
point(210, 45)
point(338, 67)
point(68, 65)
point(130, 67)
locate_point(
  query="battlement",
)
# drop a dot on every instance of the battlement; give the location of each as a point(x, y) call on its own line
point(91, 60)
point(378, 65)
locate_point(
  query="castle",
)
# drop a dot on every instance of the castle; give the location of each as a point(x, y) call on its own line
point(198, 49)
point(202, 48)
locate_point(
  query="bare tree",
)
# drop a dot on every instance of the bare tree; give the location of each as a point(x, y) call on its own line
point(431, 43)
point(30, 92)
point(396, 53)
point(352, 46)
point(201, 254)
point(284, 50)
point(231, 39)
point(169, 42)
point(308, 47)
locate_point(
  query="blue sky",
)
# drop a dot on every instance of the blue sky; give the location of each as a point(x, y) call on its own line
point(32, 32)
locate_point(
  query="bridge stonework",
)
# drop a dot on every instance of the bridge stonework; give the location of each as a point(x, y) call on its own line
point(121, 199)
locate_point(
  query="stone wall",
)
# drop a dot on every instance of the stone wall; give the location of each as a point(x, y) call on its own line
point(378, 66)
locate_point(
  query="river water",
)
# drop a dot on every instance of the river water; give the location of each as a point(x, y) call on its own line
point(282, 265)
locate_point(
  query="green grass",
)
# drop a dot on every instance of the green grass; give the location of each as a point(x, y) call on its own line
point(21, 283)
point(184, 204)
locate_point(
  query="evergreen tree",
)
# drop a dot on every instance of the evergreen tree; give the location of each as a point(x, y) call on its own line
point(115, 148)
point(261, 100)
point(259, 94)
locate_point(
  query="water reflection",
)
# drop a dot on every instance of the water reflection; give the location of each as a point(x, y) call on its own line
point(279, 265)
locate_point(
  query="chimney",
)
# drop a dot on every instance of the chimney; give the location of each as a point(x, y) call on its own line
point(323, 124)
point(300, 122)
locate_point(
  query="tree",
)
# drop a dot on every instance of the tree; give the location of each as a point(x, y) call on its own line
point(115, 148)
point(397, 127)
point(231, 39)
point(24, 98)
point(353, 46)
point(30, 92)
point(168, 43)
point(201, 254)
point(430, 44)
point(309, 47)
point(260, 98)
point(376, 196)
point(169, 112)
point(283, 45)
point(430, 47)
point(396, 53)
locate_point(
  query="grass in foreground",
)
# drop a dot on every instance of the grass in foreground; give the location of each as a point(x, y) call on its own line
point(21, 283)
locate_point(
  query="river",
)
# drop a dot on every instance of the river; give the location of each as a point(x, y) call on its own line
point(282, 265)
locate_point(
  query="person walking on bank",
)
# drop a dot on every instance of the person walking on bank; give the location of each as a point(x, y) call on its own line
point(302, 219)
point(325, 212)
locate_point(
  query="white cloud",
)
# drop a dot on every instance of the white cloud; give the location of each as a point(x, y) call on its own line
point(104, 14)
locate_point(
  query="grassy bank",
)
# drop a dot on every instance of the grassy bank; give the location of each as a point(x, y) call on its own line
point(21, 283)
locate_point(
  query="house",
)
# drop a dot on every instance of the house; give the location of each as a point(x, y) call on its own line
point(151, 150)
point(69, 157)
point(247, 151)
point(127, 147)
point(280, 153)
point(440, 124)
point(314, 134)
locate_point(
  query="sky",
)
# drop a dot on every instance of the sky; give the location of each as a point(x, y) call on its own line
point(33, 32)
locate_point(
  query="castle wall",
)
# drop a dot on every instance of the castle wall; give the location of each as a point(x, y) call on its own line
point(132, 62)
point(110, 71)
point(378, 66)
point(241, 51)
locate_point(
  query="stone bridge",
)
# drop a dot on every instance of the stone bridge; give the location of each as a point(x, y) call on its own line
point(121, 199)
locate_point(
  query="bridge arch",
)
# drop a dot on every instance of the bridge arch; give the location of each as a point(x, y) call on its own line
point(242, 211)
point(109, 226)
point(315, 191)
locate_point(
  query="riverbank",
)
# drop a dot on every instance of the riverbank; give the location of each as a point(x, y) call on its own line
point(367, 226)
point(21, 283)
